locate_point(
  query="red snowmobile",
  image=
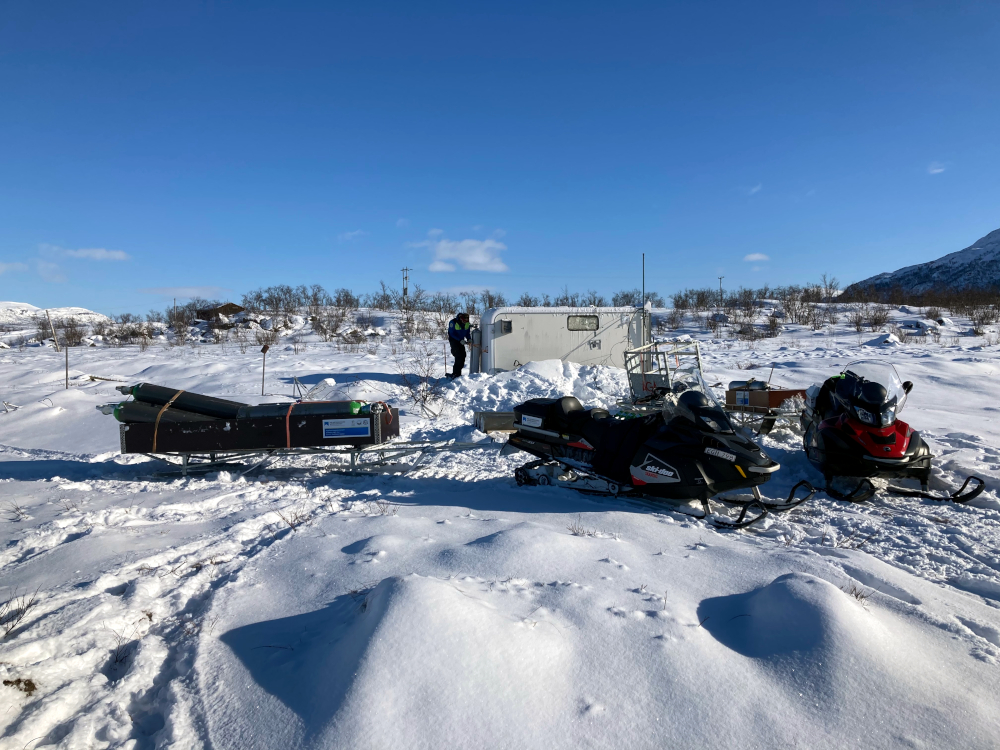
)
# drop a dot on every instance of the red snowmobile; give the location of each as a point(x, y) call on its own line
point(851, 429)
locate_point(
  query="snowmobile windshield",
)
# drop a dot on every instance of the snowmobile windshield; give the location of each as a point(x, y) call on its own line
point(873, 391)
point(702, 409)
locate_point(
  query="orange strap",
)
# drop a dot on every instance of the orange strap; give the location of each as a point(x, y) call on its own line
point(288, 429)
point(388, 410)
point(156, 427)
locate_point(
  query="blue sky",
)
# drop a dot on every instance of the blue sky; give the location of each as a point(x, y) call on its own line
point(154, 149)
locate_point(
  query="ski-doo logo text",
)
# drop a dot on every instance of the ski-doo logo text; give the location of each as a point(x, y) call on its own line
point(721, 454)
point(653, 471)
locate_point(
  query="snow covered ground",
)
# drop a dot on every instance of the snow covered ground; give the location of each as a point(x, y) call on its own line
point(450, 608)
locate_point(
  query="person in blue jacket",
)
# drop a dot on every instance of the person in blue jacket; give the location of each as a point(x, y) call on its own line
point(458, 334)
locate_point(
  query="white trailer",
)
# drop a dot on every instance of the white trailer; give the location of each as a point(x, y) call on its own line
point(509, 337)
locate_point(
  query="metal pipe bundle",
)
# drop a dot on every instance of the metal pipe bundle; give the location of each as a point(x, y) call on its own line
point(139, 412)
point(193, 402)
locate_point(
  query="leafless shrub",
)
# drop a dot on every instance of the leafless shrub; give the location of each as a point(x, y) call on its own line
point(100, 327)
point(858, 592)
point(72, 331)
point(981, 315)
point(773, 326)
point(293, 518)
point(420, 376)
point(933, 313)
point(381, 508)
point(674, 319)
point(328, 322)
point(267, 338)
point(578, 529)
point(876, 316)
point(857, 314)
point(15, 609)
point(242, 339)
point(15, 512)
point(123, 640)
point(853, 541)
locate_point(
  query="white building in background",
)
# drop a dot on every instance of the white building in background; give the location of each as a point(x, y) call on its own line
point(509, 337)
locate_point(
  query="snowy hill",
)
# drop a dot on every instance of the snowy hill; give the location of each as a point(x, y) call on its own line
point(21, 313)
point(976, 266)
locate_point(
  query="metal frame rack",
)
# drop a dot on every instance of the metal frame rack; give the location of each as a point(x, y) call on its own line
point(375, 459)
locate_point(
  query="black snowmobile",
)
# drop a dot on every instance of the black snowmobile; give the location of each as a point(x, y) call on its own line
point(689, 453)
point(851, 430)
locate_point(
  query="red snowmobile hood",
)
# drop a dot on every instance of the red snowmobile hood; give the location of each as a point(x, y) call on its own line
point(883, 442)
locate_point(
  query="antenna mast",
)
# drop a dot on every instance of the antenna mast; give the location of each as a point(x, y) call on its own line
point(406, 282)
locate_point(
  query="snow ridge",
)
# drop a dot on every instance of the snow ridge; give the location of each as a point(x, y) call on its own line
point(977, 266)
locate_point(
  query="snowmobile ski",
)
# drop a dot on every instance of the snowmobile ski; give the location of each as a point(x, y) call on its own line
point(958, 496)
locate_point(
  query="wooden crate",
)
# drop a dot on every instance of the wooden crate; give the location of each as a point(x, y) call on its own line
point(771, 398)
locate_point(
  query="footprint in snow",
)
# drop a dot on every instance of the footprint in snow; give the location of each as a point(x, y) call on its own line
point(986, 632)
point(620, 566)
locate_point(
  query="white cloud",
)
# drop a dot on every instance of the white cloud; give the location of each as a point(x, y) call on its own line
point(469, 255)
point(499, 234)
point(402, 223)
point(97, 253)
point(435, 233)
point(91, 253)
point(348, 236)
point(753, 190)
point(50, 272)
point(4, 267)
point(755, 257)
point(936, 167)
point(188, 292)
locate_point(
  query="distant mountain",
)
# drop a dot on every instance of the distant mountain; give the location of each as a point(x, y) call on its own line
point(976, 266)
point(23, 315)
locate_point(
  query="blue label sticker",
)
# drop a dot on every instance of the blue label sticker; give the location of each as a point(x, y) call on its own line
point(343, 428)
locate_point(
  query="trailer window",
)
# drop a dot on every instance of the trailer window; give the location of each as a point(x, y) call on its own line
point(582, 322)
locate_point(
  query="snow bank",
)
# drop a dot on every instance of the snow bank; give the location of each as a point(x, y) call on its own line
point(886, 339)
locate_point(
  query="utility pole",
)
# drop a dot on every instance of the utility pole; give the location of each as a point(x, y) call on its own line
point(406, 282)
point(720, 290)
point(643, 279)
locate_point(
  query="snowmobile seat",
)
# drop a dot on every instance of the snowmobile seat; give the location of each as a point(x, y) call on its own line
point(556, 414)
point(580, 422)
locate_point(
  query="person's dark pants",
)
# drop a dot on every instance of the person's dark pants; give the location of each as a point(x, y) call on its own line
point(458, 352)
